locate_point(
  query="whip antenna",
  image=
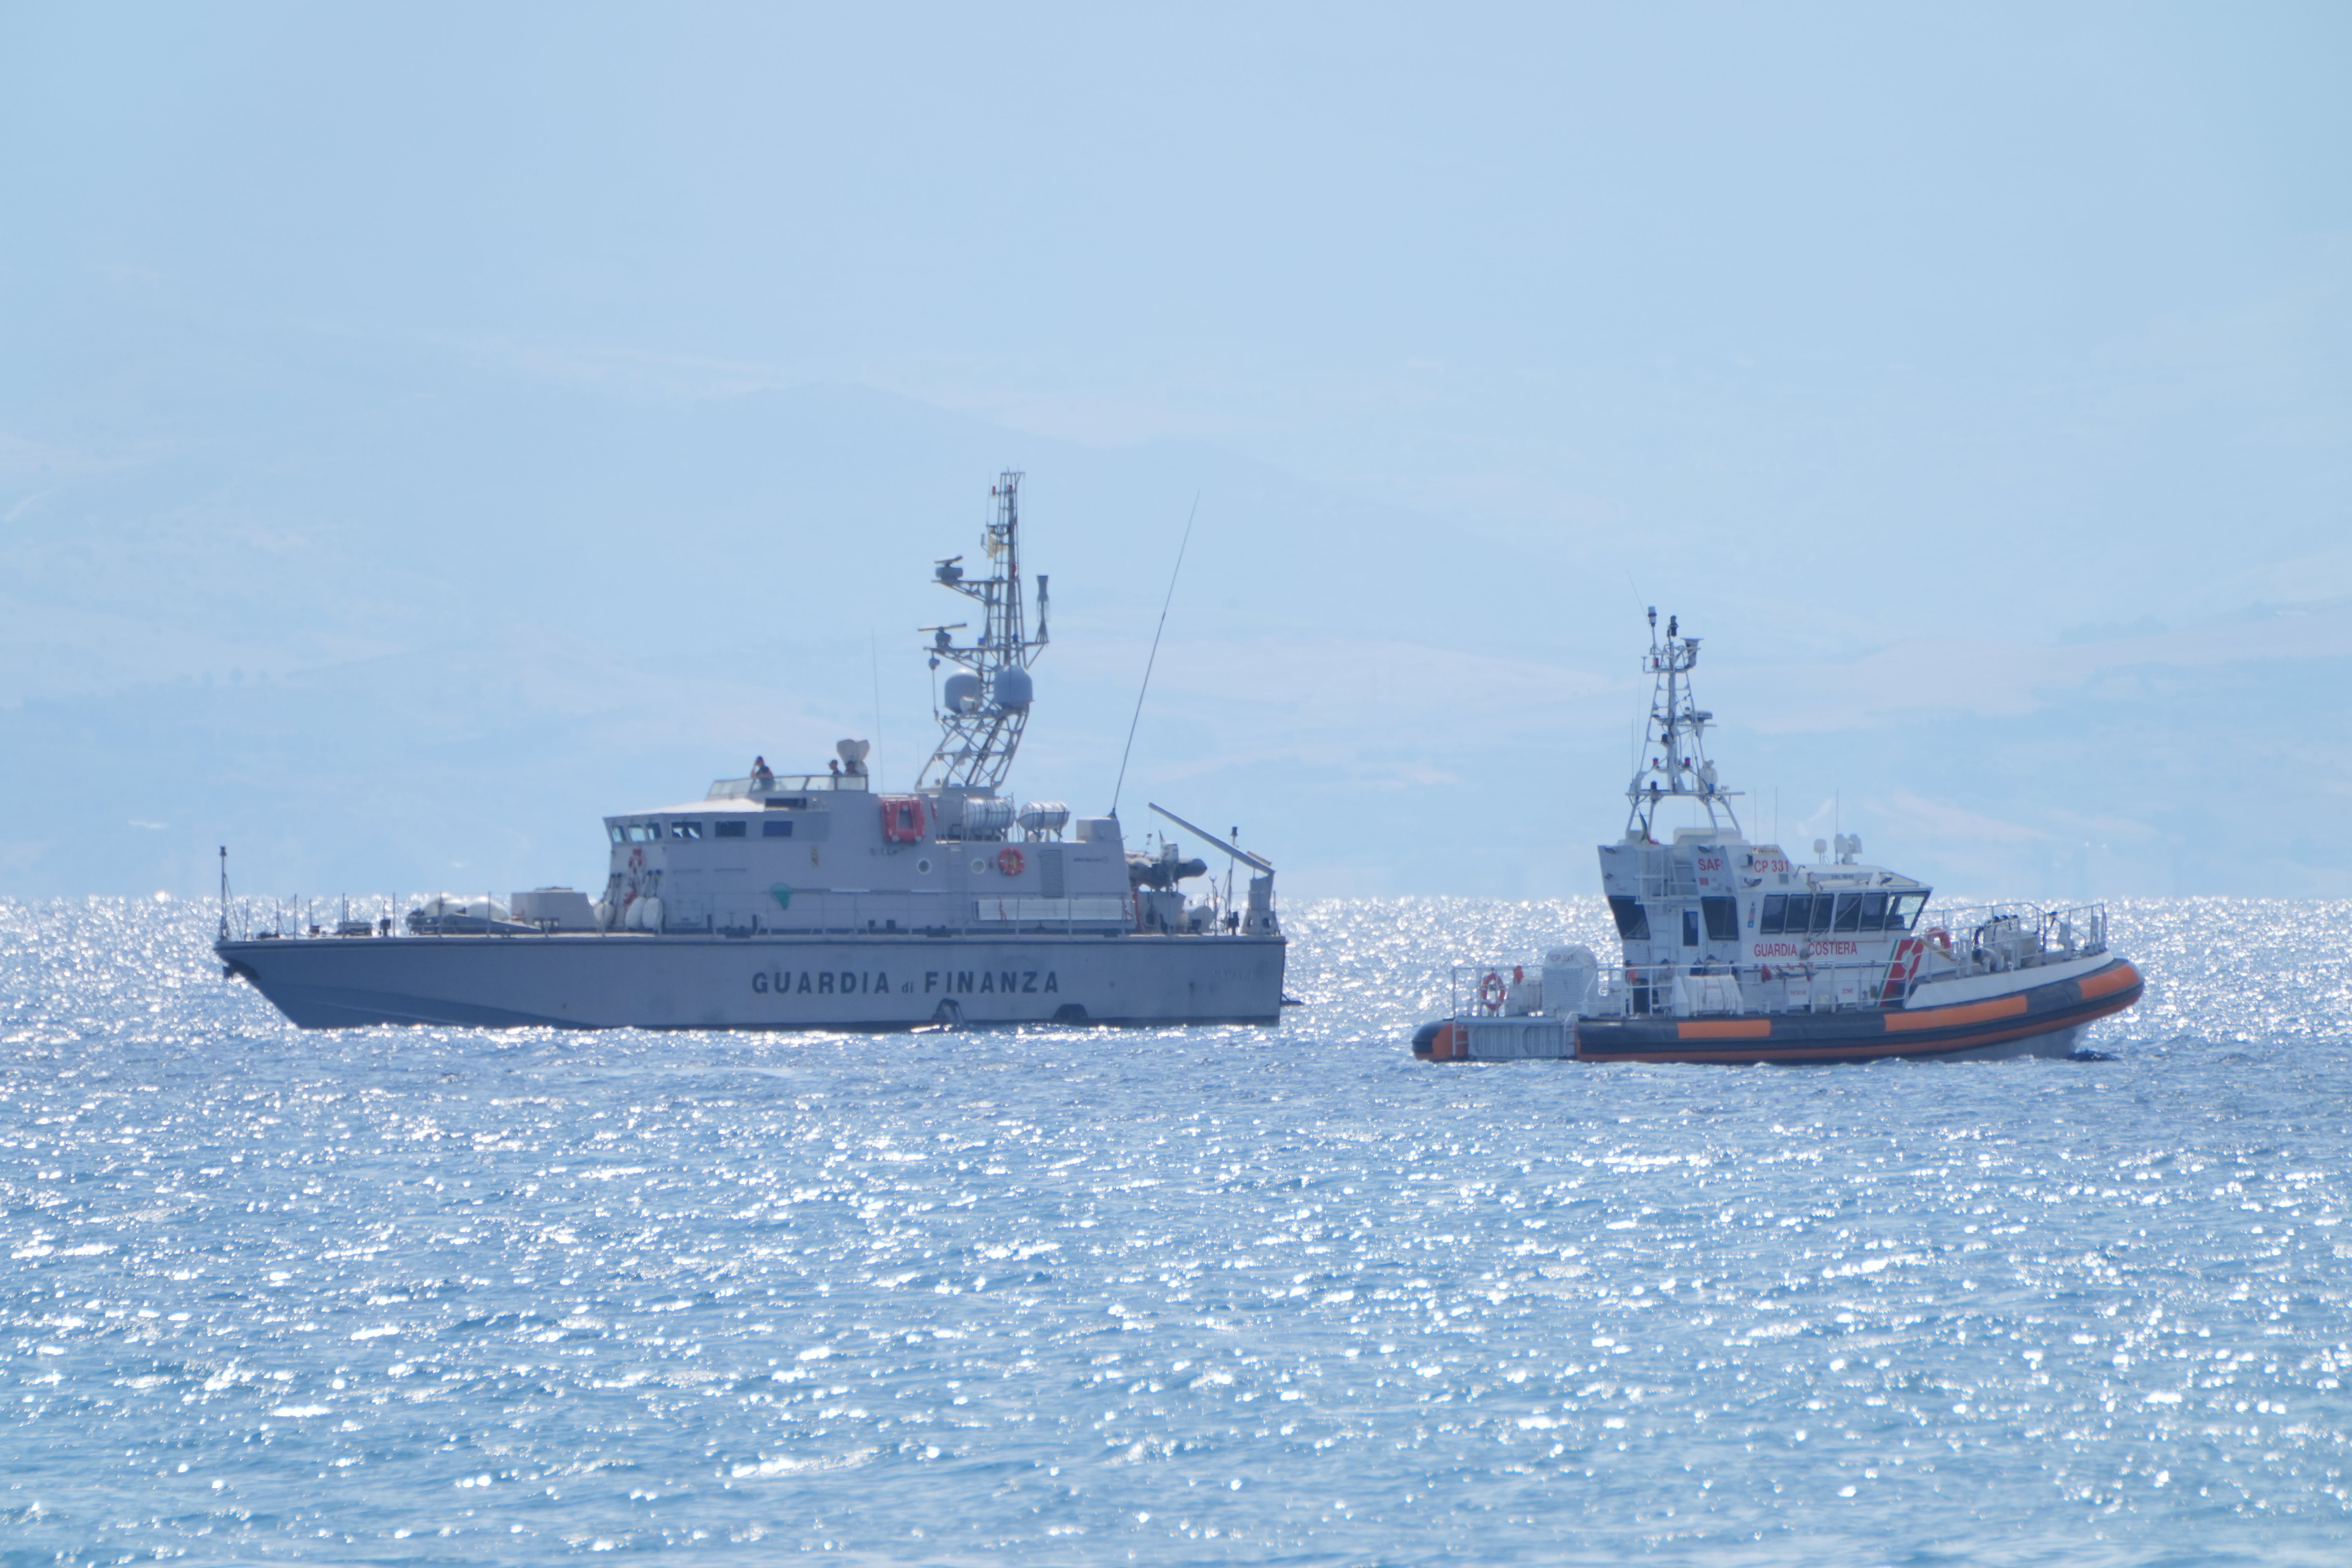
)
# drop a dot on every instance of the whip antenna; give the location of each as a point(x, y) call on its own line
point(874, 647)
point(1155, 652)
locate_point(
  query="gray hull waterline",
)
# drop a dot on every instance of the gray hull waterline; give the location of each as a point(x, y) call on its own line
point(595, 980)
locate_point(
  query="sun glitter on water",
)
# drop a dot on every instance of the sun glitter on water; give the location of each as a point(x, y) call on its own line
point(1218, 1295)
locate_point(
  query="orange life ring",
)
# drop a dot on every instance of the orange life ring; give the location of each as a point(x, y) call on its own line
point(1009, 862)
point(1491, 992)
point(1939, 939)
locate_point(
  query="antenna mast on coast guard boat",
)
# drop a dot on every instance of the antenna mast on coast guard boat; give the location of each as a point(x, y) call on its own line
point(1673, 764)
point(984, 708)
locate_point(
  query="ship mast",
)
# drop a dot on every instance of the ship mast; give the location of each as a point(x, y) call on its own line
point(982, 711)
point(1674, 764)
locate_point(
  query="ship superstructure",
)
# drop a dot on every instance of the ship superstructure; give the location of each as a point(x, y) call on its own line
point(813, 899)
point(984, 705)
point(1736, 951)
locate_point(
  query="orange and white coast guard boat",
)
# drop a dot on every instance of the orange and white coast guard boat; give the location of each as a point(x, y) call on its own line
point(1734, 952)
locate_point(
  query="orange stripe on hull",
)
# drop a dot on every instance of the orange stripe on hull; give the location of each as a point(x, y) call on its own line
point(1966, 1012)
point(1862, 1050)
point(1725, 1030)
point(2105, 993)
point(2107, 982)
point(1865, 1049)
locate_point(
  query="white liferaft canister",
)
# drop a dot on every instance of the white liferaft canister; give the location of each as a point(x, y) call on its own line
point(1522, 995)
point(1570, 975)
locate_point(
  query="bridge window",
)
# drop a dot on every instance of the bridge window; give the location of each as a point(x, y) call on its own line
point(1633, 920)
point(685, 830)
point(1873, 911)
point(643, 831)
point(1722, 919)
point(727, 830)
point(620, 833)
point(776, 827)
point(1775, 907)
point(1903, 910)
point(1849, 912)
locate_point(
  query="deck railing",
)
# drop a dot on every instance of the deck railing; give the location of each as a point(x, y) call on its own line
point(1822, 985)
point(831, 912)
point(2018, 932)
point(759, 787)
point(1958, 943)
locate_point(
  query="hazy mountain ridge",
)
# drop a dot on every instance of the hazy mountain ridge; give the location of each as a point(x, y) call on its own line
point(448, 611)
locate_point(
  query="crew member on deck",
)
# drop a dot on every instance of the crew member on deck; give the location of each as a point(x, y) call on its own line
point(760, 776)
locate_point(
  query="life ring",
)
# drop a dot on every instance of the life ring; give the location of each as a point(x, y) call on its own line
point(1491, 992)
point(1940, 940)
point(1009, 862)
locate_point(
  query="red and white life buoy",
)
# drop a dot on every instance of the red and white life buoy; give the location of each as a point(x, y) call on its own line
point(1491, 992)
point(1009, 862)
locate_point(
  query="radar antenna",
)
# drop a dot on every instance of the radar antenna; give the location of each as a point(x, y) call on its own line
point(1674, 764)
point(984, 708)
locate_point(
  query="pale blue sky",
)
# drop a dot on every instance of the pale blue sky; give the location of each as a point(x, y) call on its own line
point(1909, 353)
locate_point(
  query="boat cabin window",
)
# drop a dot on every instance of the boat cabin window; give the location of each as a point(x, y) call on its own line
point(1633, 920)
point(685, 830)
point(1801, 915)
point(1690, 928)
point(642, 832)
point(620, 833)
point(727, 830)
point(1722, 919)
point(776, 827)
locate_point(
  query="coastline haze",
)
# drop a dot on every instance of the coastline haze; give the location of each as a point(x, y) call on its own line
point(421, 437)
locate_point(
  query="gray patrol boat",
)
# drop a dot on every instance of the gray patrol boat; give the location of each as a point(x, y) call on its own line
point(814, 900)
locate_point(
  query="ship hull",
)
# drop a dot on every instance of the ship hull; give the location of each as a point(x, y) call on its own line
point(866, 983)
point(2032, 1021)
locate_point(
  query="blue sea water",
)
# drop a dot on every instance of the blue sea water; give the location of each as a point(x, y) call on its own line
point(1188, 1296)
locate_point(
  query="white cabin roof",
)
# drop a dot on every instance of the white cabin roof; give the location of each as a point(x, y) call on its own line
point(694, 808)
